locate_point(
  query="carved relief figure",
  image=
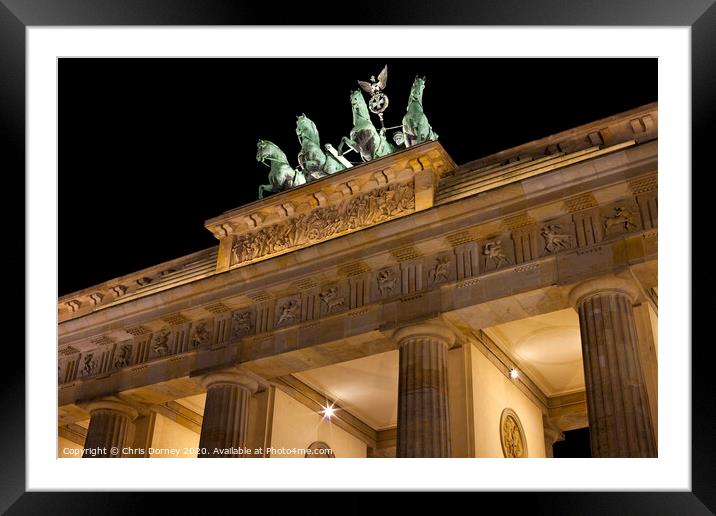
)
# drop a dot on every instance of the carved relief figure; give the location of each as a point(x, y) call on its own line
point(123, 356)
point(160, 343)
point(621, 218)
point(201, 335)
point(290, 312)
point(89, 364)
point(512, 438)
point(553, 239)
point(242, 324)
point(332, 300)
point(386, 282)
point(440, 271)
point(494, 252)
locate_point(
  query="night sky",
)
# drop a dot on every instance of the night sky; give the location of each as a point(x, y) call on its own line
point(151, 148)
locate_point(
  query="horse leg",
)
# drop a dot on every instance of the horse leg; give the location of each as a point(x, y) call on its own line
point(264, 188)
point(347, 141)
point(426, 131)
point(367, 144)
point(384, 147)
point(433, 134)
point(312, 165)
point(410, 133)
point(299, 179)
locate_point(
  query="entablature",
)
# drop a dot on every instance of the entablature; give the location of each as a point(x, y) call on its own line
point(334, 300)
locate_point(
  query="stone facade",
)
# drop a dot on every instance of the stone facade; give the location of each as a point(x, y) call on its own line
point(373, 260)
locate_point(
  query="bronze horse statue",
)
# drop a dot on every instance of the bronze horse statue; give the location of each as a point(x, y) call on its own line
point(281, 176)
point(364, 138)
point(416, 128)
point(314, 162)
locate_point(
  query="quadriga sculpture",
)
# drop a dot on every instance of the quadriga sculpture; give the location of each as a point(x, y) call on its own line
point(281, 176)
point(364, 137)
point(416, 128)
point(314, 162)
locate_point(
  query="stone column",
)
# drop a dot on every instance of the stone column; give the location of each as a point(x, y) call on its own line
point(423, 416)
point(143, 434)
point(646, 332)
point(109, 428)
point(225, 424)
point(617, 405)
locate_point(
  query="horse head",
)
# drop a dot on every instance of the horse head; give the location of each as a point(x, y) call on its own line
point(261, 150)
point(416, 91)
point(305, 128)
point(268, 150)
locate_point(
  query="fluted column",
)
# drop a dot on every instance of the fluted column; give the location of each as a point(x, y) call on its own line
point(617, 405)
point(109, 428)
point(423, 416)
point(225, 424)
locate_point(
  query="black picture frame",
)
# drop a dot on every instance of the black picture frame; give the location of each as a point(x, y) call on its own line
point(17, 15)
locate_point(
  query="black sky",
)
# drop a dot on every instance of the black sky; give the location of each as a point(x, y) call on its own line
point(151, 148)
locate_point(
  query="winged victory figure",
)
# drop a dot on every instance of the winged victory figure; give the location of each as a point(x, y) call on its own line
point(375, 87)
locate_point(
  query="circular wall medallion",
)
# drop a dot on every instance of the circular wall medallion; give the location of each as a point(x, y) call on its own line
point(319, 450)
point(512, 435)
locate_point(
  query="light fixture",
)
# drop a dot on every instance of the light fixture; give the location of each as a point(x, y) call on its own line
point(514, 374)
point(328, 412)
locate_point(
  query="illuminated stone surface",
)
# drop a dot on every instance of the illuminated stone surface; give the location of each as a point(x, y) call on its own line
point(308, 291)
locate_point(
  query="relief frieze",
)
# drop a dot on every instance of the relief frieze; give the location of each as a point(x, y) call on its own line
point(88, 365)
point(160, 343)
point(387, 282)
point(309, 300)
point(288, 312)
point(242, 323)
point(374, 207)
point(557, 235)
point(621, 217)
point(332, 300)
point(439, 271)
point(496, 254)
point(201, 334)
point(123, 356)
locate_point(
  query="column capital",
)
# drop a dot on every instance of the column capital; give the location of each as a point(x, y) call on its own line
point(553, 434)
point(600, 285)
point(433, 330)
point(231, 376)
point(112, 404)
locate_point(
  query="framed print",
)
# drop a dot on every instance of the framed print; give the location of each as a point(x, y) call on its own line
point(425, 261)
